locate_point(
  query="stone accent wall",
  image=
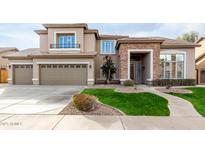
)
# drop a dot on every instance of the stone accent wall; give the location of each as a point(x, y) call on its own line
point(123, 52)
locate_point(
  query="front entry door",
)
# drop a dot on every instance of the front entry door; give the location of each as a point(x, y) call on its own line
point(136, 71)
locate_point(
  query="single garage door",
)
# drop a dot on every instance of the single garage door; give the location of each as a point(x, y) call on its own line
point(63, 74)
point(23, 74)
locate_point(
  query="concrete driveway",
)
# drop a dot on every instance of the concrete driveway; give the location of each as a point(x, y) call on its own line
point(30, 99)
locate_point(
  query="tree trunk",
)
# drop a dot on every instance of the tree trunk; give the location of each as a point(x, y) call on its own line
point(108, 79)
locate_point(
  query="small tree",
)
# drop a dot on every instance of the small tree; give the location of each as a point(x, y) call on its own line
point(108, 69)
point(190, 37)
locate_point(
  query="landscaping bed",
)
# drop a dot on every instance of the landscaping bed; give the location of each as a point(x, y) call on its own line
point(119, 88)
point(100, 109)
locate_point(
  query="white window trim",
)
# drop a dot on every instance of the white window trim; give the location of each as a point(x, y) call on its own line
point(21, 63)
point(101, 43)
point(141, 51)
point(178, 52)
point(64, 32)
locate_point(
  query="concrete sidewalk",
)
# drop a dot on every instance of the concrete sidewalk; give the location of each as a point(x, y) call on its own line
point(68, 122)
point(177, 106)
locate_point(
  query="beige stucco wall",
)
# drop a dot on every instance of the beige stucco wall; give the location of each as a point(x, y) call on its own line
point(89, 42)
point(44, 42)
point(99, 61)
point(190, 60)
point(79, 35)
point(200, 50)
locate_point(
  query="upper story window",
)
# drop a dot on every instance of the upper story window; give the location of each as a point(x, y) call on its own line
point(65, 40)
point(172, 66)
point(107, 47)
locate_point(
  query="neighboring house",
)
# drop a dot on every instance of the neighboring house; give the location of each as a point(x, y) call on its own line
point(4, 62)
point(72, 54)
point(200, 61)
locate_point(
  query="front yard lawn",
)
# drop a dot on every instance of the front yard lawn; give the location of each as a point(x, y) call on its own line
point(132, 103)
point(197, 98)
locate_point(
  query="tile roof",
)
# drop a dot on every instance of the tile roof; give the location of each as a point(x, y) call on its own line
point(4, 49)
point(36, 52)
point(165, 42)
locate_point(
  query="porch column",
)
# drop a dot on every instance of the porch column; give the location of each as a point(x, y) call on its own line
point(10, 74)
point(123, 63)
point(35, 74)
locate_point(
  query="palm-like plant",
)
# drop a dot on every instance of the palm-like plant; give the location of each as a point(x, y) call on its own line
point(108, 68)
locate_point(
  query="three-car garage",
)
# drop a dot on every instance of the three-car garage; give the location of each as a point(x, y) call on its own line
point(52, 74)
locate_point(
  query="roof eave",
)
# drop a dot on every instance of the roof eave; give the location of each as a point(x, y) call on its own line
point(92, 31)
point(200, 57)
point(199, 40)
point(112, 37)
point(81, 25)
point(41, 31)
point(137, 41)
point(178, 46)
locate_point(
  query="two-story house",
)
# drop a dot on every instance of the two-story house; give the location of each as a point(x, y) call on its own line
point(72, 54)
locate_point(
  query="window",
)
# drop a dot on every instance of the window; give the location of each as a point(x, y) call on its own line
point(172, 66)
point(66, 41)
point(108, 47)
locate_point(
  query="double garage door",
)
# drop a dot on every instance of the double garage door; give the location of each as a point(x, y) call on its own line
point(52, 74)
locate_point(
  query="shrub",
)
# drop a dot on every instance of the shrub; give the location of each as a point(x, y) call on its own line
point(128, 83)
point(84, 102)
point(174, 82)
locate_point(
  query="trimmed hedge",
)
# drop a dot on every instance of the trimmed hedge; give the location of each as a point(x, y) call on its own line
point(174, 82)
point(128, 83)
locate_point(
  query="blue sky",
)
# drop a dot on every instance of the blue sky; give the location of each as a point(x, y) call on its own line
point(22, 35)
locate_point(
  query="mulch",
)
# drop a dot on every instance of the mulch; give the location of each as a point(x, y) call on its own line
point(100, 109)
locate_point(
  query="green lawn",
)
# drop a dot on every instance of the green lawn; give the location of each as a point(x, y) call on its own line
point(132, 103)
point(197, 98)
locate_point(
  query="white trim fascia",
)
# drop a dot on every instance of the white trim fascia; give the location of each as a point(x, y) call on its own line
point(178, 52)
point(21, 63)
point(202, 60)
point(35, 79)
point(123, 79)
point(107, 53)
point(62, 62)
point(141, 51)
point(65, 49)
point(91, 80)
